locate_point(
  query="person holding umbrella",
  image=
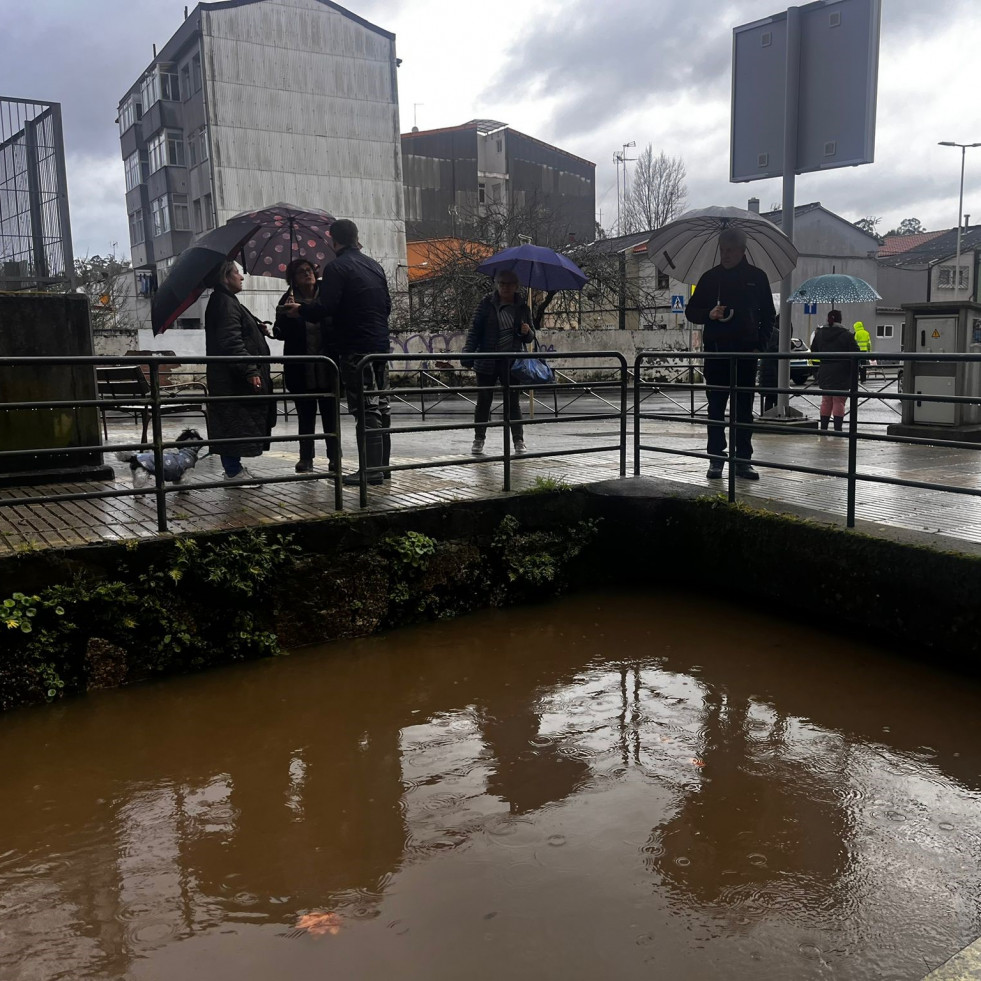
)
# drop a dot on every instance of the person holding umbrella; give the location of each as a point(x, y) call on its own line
point(734, 303)
point(502, 322)
point(833, 373)
point(232, 330)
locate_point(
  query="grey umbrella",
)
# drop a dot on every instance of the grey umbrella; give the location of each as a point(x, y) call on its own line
point(834, 288)
point(689, 246)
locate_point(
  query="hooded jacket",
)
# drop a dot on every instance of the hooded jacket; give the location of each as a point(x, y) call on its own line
point(834, 373)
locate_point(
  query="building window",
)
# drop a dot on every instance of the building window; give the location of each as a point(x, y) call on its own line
point(481, 193)
point(182, 216)
point(163, 267)
point(500, 146)
point(198, 225)
point(160, 215)
point(945, 277)
point(883, 330)
point(134, 173)
point(185, 83)
point(196, 72)
point(166, 148)
point(663, 280)
point(197, 147)
point(160, 83)
point(136, 233)
point(496, 193)
point(130, 113)
point(209, 212)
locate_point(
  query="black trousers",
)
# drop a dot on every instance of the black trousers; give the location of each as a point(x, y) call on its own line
point(306, 424)
point(717, 373)
point(485, 398)
point(372, 412)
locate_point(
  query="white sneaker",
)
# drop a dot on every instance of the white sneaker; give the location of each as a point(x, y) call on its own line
point(243, 474)
point(519, 446)
point(478, 447)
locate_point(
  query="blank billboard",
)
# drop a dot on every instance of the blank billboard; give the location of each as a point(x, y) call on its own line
point(838, 81)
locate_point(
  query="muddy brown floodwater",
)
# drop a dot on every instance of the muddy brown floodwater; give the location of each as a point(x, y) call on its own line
point(613, 786)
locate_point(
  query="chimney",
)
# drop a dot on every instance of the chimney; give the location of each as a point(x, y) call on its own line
point(754, 205)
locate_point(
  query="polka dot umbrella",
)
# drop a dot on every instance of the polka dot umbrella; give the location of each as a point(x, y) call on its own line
point(285, 232)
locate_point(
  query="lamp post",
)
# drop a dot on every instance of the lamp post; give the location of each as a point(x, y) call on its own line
point(960, 208)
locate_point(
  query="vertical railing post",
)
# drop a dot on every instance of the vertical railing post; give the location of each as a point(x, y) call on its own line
point(731, 448)
point(362, 433)
point(336, 423)
point(506, 388)
point(623, 415)
point(422, 394)
point(158, 461)
point(637, 390)
point(852, 443)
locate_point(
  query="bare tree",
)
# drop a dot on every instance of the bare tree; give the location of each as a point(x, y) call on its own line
point(868, 224)
point(657, 191)
point(102, 279)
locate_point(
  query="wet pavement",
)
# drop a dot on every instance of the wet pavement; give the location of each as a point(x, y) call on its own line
point(653, 794)
point(949, 519)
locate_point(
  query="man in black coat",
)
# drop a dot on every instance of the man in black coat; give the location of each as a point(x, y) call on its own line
point(354, 293)
point(734, 302)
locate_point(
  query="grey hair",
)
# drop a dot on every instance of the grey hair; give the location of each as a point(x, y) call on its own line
point(225, 269)
point(733, 236)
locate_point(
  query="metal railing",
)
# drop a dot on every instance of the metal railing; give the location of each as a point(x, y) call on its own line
point(856, 396)
point(156, 404)
point(619, 413)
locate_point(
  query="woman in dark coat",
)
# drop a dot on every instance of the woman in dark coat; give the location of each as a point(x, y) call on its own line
point(231, 330)
point(502, 322)
point(833, 373)
point(301, 336)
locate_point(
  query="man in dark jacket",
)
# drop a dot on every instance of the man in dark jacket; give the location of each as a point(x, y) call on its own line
point(354, 292)
point(734, 302)
point(502, 322)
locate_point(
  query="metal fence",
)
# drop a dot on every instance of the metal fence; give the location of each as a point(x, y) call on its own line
point(666, 387)
point(856, 397)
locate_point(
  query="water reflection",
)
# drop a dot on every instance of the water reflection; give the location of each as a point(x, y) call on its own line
point(490, 780)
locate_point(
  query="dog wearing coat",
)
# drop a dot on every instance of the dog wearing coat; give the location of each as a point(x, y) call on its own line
point(176, 460)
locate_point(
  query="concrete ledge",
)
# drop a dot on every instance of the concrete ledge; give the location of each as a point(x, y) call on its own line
point(965, 966)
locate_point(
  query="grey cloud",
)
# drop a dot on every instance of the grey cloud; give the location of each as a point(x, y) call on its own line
point(600, 58)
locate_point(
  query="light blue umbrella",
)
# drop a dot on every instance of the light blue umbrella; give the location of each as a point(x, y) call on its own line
point(834, 288)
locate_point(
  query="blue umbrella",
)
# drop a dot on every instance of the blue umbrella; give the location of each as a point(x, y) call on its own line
point(537, 267)
point(834, 288)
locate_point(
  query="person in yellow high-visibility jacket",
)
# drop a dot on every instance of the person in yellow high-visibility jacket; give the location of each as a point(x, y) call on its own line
point(864, 341)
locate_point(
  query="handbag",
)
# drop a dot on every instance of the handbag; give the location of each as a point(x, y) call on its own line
point(532, 371)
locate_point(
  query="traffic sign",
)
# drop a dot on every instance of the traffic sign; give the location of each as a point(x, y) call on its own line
point(810, 307)
point(677, 303)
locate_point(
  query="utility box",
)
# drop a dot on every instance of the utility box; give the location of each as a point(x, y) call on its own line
point(942, 328)
point(48, 325)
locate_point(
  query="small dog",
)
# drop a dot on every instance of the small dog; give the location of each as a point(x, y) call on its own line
point(176, 461)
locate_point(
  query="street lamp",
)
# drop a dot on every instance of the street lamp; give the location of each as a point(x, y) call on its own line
point(960, 210)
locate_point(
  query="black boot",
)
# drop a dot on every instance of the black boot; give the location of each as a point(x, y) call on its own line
point(839, 423)
point(824, 423)
point(373, 451)
point(386, 454)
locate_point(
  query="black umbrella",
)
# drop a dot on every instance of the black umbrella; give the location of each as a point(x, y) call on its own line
point(193, 271)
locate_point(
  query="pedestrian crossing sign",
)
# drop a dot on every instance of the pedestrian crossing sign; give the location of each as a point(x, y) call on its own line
point(677, 303)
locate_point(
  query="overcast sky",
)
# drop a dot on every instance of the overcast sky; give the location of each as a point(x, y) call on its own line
point(586, 75)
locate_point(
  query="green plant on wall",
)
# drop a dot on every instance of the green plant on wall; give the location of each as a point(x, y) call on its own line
point(409, 556)
point(538, 558)
point(195, 608)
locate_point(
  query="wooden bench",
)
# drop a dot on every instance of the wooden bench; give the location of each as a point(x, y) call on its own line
point(125, 388)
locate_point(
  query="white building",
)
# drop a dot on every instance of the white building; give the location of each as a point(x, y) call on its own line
point(252, 102)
